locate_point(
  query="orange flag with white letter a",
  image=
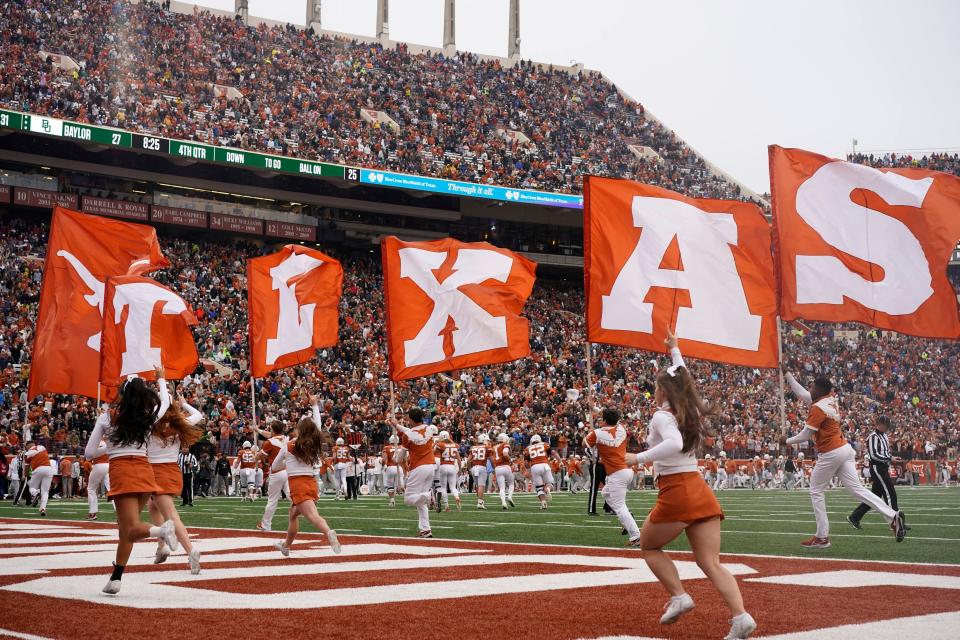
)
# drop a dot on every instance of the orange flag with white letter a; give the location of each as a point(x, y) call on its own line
point(293, 299)
point(855, 243)
point(452, 305)
point(654, 259)
point(83, 251)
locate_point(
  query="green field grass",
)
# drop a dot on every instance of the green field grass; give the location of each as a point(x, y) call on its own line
point(758, 522)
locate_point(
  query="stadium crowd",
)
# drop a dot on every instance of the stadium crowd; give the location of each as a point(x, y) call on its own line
point(909, 379)
point(147, 69)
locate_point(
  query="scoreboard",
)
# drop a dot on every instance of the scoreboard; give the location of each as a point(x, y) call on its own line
point(242, 158)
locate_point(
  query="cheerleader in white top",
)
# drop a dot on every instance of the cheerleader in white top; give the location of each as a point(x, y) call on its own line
point(684, 502)
point(126, 429)
point(175, 431)
point(298, 457)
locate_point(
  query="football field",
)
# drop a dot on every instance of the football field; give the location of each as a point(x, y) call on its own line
point(557, 573)
point(757, 522)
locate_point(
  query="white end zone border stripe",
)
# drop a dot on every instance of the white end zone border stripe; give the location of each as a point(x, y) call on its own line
point(305, 536)
point(852, 578)
point(936, 626)
point(21, 636)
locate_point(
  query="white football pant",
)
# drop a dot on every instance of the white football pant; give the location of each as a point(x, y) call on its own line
point(99, 476)
point(615, 495)
point(840, 463)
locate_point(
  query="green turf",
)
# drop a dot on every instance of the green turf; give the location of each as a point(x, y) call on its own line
point(759, 522)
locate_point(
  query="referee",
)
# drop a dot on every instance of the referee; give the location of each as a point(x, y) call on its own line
point(598, 474)
point(879, 451)
point(188, 466)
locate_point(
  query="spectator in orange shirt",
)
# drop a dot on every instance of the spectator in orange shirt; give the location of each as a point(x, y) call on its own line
point(66, 485)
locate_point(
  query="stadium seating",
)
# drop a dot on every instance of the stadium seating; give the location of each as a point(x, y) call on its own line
point(910, 379)
point(150, 70)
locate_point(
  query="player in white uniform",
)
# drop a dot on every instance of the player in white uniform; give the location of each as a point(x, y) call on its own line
point(246, 468)
point(503, 470)
point(341, 458)
point(391, 471)
point(449, 469)
point(41, 476)
point(541, 475)
point(721, 481)
point(278, 477)
point(478, 467)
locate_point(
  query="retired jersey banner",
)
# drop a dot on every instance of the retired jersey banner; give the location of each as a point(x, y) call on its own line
point(293, 298)
point(453, 304)
point(653, 258)
point(145, 325)
point(860, 244)
point(83, 251)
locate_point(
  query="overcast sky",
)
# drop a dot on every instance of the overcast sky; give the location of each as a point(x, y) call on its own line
point(729, 77)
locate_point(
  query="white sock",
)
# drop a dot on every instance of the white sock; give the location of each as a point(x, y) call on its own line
point(156, 532)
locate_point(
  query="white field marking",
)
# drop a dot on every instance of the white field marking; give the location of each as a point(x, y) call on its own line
point(306, 536)
point(597, 524)
point(807, 521)
point(145, 590)
point(937, 626)
point(852, 578)
point(33, 564)
point(21, 636)
point(837, 535)
point(41, 528)
point(8, 535)
point(92, 536)
point(396, 528)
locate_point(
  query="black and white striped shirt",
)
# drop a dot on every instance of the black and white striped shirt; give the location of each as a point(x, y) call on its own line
point(188, 462)
point(879, 447)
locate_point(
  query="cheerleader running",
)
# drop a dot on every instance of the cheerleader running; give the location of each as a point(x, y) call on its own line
point(685, 502)
point(173, 431)
point(299, 457)
point(126, 429)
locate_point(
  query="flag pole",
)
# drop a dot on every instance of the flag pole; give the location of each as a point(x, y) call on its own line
point(589, 383)
point(393, 402)
point(783, 399)
point(253, 408)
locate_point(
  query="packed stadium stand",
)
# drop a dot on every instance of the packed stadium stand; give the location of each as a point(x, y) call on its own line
point(289, 91)
point(909, 379)
point(146, 69)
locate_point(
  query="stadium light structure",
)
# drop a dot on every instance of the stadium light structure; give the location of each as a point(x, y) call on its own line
point(241, 9)
point(449, 28)
point(383, 22)
point(513, 31)
point(313, 15)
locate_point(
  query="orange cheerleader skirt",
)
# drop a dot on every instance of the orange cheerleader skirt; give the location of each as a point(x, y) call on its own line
point(303, 488)
point(685, 497)
point(131, 474)
point(168, 478)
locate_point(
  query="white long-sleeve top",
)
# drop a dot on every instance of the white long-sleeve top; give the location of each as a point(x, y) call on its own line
point(287, 460)
point(665, 440)
point(799, 390)
point(160, 451)
point(103, 429)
